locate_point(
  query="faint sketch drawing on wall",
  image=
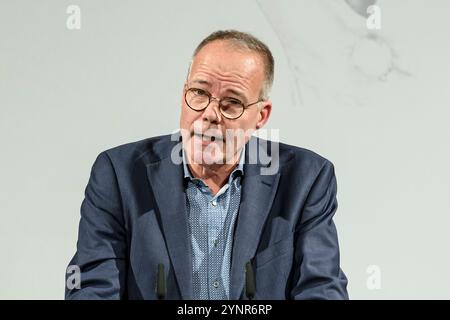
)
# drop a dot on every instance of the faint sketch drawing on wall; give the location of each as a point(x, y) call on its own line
point(332, 55)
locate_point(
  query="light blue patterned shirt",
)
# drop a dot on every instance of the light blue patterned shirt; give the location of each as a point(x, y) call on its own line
point(211, 226)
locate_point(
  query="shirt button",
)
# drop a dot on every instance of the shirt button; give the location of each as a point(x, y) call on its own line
point(216, 284)
point(214, 203)
point(215, 242)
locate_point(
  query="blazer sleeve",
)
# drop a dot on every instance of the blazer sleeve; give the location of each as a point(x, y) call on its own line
point(318, 272)
point(101, 246)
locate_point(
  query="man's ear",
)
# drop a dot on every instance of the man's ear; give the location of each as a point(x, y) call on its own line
point(182, 93)
point(264, 113)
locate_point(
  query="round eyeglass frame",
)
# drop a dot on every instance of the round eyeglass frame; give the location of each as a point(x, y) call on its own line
point(244, 107)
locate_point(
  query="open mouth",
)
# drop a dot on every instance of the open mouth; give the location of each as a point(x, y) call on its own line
point(208, 138)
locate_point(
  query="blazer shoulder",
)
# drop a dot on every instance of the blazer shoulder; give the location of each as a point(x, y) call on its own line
point(305, 157)
point(151, 149)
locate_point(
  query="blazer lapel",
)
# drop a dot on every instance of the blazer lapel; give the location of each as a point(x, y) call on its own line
point(258, 192)
point(166, 179)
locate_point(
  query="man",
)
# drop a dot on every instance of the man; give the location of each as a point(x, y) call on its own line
point(212, 212)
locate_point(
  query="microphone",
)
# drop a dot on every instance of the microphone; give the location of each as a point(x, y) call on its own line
point(250, 288)
point(160, 283)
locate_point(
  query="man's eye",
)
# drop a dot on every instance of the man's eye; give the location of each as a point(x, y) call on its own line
point(230, 102)
point(200, 92)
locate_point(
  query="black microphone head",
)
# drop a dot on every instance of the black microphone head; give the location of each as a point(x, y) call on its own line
point(160, 282)
point(250, 287)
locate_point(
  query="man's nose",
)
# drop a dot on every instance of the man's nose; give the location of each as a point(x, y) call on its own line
point(212, 112)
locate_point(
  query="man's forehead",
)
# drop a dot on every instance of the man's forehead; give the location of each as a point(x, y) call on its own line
point(218, 61)
point(233, 68)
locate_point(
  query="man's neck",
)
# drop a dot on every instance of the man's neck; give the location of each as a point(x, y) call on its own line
point(214, 176)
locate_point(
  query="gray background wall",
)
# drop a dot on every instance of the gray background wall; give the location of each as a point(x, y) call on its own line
point(376, 103)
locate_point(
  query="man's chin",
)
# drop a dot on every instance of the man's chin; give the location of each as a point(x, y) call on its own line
point(208, 159)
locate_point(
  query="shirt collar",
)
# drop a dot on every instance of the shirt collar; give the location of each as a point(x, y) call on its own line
point(238, 169)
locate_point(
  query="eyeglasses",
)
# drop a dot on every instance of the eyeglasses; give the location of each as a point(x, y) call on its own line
point(230, 108)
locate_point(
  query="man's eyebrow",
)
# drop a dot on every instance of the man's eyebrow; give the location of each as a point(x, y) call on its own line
point(236, 93)
point(231, 91)
point(201, 81)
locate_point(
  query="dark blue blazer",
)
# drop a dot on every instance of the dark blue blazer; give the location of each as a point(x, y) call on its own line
point(134, 218)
